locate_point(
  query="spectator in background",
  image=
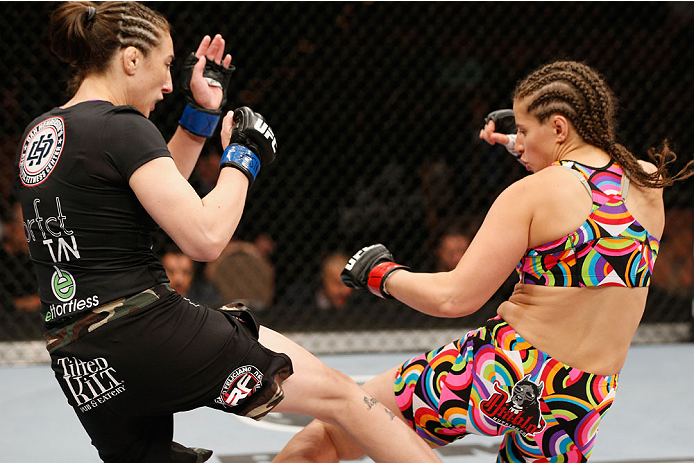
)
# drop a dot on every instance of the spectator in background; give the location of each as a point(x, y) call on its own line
point(186, 280)
point(265, 244)
point(18, 289)
point(326, 295)
point(332, 294)
point(204, 176)
point(9, 134)
point(451, 246)
point(323, 302)
point(672, 283)
point(243, 273)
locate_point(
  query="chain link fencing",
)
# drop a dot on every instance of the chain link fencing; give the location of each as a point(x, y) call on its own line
point(376, 107)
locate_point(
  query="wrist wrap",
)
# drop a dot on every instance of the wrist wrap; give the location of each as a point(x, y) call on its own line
point(243, 159)
point(198, 121)
point(511, 146)
point(378, 276)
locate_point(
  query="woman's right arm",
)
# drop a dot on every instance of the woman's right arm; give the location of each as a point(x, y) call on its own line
point(492, 256)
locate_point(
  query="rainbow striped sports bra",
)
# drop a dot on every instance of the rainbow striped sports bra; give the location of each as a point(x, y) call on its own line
point(611, 248)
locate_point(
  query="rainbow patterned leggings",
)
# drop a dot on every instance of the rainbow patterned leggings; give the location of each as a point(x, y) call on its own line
point(493, 382)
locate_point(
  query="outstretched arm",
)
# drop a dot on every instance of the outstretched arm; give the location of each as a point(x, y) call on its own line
point(492, 256)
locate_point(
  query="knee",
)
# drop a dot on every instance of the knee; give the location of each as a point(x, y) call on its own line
point(339, 387)
point(344, 448)
point(335, 392)
point(323, 442)
point(312, 444)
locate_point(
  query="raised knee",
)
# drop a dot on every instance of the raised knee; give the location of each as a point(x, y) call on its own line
point(340, 386)
point(334, 392)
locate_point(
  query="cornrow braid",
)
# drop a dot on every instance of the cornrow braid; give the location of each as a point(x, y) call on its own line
point(140, 27)
point(86, 34)
point(606, 99)
point(580, 94)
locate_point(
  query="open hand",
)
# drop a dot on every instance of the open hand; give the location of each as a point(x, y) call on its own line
point(207, 93)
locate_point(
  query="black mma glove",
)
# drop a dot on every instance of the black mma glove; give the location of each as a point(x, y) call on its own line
point(251, 145)
point(505, 122)
point(369, 269)
point(196, 119)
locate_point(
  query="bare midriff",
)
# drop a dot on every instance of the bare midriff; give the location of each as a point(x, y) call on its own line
point(585, 328)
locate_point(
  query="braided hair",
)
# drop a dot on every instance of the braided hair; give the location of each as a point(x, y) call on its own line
point(86, 35)
point(579, 93)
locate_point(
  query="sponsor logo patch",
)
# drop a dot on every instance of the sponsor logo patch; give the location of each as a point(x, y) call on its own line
point(90, 382)
point(41, 151)
point(63, 285)
point(520, 411)
point(241, 383)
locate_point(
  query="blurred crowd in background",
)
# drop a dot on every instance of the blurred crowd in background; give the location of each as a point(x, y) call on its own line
point(376, 107)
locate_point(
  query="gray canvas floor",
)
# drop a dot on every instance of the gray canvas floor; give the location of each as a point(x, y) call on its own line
point(651, 419)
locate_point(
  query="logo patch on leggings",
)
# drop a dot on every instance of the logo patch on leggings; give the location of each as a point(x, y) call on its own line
point(521, 411)
point(240, 384)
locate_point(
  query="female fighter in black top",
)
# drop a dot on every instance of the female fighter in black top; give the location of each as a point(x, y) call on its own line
point(96, 178)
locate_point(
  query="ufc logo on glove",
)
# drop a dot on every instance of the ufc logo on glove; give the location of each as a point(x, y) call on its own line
point(262, 127)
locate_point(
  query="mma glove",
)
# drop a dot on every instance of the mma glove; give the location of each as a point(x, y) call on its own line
point(196, 119)
point(505, 122)
point(369, 269)
point(251, 145)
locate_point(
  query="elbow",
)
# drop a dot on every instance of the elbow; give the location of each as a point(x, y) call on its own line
point(446, 298)
point(454, 309)
point(206, 255)
point(205, 248)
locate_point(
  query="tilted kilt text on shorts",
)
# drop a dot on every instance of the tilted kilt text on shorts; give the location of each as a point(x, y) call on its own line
point(493, 382)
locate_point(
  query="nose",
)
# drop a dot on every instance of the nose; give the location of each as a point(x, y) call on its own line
point(168, 86)
point(520, 145)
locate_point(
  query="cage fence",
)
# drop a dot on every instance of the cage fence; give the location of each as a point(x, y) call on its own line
point(376, 107)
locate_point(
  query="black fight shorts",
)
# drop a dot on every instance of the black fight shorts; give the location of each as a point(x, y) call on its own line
point(127, 366)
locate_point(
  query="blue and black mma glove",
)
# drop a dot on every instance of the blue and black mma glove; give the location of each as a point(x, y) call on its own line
point(196, 119)
point(251, 145)
point(369, 269)
point(505, 122)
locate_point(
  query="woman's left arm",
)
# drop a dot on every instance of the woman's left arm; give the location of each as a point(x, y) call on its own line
point(184, 146)
point(492, 256)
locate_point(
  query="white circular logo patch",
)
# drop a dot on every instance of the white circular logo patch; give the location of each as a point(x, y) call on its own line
point(63, 285)
point(41, 151)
